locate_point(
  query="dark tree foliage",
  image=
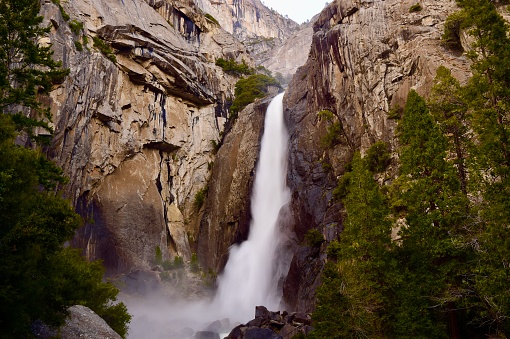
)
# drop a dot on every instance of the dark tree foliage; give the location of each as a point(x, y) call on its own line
point(251, 88)
point(40, 278)
point(26, 68)
point(446, 271)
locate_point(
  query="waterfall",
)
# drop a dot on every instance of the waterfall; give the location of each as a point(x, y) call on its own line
point(248, 279)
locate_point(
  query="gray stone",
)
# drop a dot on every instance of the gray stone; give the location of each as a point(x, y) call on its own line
point(84, 323)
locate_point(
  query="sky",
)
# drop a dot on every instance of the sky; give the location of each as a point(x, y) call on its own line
point(297, 10)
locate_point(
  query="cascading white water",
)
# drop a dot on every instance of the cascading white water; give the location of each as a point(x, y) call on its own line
point(248, 279)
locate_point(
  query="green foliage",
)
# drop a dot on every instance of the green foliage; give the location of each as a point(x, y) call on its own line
point(211, 18)
point(251, 88)
point(232, 67)
point(378, 157)
point(76, 26)
point(62, 11)
point(415, 8)
point(215, 146)
point(78, 45)
point(445, 272)
point(80, 283)
point(85, 40)
point(200, 198)
point(327, 115)
point(41, 279)
point(167, 265)
point(314, 238)
point(194, 263)
point(363, 254)
point(158, 257)
point(26, 69)
point(453, 26)
point(395, 113)
point(333, 135)
point(262, 70)
point(334, 250)
point(105, 49)
point(178, 262)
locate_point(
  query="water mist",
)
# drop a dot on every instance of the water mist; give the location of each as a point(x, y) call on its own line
point(249, 278)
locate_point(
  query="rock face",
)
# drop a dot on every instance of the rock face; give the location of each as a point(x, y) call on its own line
point(249, 20)
point(135, 126)
point(291, 54)
point(84, 323)
point(274, 41)
point(226, 216)
point(272, 325)
point(364, 59)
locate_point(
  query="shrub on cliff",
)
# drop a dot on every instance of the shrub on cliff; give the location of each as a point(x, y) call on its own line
point(232, 67)
point(251, 88)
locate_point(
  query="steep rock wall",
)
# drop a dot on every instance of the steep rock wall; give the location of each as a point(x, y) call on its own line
point(135, 135)
point(226, 215)
point(365, 57)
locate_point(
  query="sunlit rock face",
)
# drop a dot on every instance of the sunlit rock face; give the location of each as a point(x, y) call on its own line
point(364, 59)
point(134, 134)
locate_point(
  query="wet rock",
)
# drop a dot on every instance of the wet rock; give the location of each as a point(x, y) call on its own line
point(274, 325)
point(260, 333)
point(227, 214)
point(141, 282)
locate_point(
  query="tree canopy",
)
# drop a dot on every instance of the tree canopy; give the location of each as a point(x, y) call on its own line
point(41, 277)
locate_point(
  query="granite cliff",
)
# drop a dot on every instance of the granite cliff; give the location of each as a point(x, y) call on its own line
point(364, 59)
point(135, 121)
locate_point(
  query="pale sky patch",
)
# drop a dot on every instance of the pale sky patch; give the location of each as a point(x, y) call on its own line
point(297, 10)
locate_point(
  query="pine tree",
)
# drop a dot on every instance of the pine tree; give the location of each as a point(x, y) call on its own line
point(428, 195)
point(488, 96)
point(27, 68)
point(359, 279)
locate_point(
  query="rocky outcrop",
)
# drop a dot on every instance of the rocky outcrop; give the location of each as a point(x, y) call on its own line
point(291, 54)
point(226, 216)
point(269, 37)
point(135, 121)
point(364, 59)
point(248, 20)
point(85, 323)
point(273, 325)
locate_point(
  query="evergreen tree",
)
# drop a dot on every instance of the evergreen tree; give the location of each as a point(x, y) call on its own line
point(450, 111)
point(488, 96)
point(428, 195)
point(357, 288)
point(40, 278)
point(26, 68)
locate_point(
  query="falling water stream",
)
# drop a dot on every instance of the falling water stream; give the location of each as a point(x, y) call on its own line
point(249, 278)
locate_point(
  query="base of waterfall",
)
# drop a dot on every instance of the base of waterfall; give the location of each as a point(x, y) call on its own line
point(273, 325)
